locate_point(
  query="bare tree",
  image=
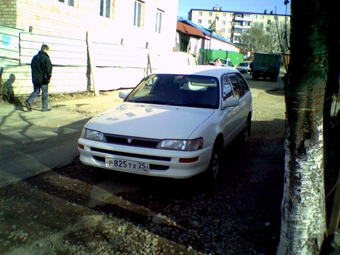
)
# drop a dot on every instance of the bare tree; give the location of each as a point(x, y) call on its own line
point(256, 40)
point(303, 219)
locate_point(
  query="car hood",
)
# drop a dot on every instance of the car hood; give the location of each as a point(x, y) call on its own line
point(149, 120)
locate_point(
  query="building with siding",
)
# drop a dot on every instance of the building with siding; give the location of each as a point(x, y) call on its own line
point(125, 35)
point(133, 22)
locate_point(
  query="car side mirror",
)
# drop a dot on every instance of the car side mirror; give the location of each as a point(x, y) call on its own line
point(230, 102)
point(124, 93)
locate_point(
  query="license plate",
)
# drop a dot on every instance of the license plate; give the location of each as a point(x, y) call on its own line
point(122, 164)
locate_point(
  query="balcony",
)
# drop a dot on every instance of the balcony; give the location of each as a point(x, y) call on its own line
point(235, 40)
point(238, 26)
point(242, 25)
point(242, 18)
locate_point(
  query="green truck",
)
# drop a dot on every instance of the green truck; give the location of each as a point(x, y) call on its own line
point(266, 66)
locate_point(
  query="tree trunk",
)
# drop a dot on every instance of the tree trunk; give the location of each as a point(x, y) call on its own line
point(303, 219)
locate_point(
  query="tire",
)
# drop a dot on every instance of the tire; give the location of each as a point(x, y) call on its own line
point(213, 171)
point(244, 137)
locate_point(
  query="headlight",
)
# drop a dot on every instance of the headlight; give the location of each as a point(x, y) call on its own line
point(93, 135)
point(183, 145)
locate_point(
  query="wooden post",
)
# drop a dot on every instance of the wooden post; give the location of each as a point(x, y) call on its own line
point(91, 62)
point(149, 64)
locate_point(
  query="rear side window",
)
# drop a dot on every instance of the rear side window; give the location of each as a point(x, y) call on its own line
point(239, 85)
point(236, 86)
point(243, 83)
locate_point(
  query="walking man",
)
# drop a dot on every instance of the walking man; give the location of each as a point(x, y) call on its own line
point(41, 68)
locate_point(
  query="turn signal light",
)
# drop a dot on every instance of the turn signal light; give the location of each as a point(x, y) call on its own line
point(188, 160)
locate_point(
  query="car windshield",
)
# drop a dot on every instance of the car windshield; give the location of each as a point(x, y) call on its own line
point(244, 64)
point(180, 90)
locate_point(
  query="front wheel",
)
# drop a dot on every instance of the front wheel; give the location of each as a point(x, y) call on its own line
point(246, 132)
point(214, 165)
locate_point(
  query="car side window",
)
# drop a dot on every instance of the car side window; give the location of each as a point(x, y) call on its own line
point(236, 86)
point(243, 83)
point(226, 88)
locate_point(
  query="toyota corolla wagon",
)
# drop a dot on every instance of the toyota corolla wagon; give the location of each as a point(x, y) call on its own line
point(174, 123)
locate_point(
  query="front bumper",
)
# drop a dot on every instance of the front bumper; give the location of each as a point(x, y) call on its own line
point(162, 163)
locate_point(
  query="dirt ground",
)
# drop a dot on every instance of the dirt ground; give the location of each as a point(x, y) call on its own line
point(79, 210)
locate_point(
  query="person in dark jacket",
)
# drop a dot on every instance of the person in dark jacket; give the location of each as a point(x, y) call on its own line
point(41, 68)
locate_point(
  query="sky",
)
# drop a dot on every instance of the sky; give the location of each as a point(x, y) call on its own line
point(258, 6)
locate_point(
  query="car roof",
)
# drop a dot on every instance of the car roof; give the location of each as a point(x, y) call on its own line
point(205, 70)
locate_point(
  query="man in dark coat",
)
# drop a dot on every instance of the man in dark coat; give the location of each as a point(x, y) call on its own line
point(41, 68)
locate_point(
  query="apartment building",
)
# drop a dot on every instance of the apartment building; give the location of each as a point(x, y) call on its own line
point(231, 24)
point(136, 22)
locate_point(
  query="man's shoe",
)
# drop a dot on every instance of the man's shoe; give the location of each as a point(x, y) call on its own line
point(46, 110)
point(28, 105)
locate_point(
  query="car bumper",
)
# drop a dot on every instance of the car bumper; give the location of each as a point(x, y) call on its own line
point(162, 163)
point(241, 70)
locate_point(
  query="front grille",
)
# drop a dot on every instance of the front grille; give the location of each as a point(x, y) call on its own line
point(131, 141)
point(119, 153)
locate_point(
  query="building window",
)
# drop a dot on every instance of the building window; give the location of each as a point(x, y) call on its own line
point(223, 30)
point(199, 21)
point(224, 14)
point(209, 21)
point(210, 14)
point(105, 8)
point(199, 13)
point(137, 15)
point(159, 17)
point(69, 2)
point(223, 22)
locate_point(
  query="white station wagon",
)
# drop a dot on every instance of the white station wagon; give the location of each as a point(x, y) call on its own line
point(173, 124)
